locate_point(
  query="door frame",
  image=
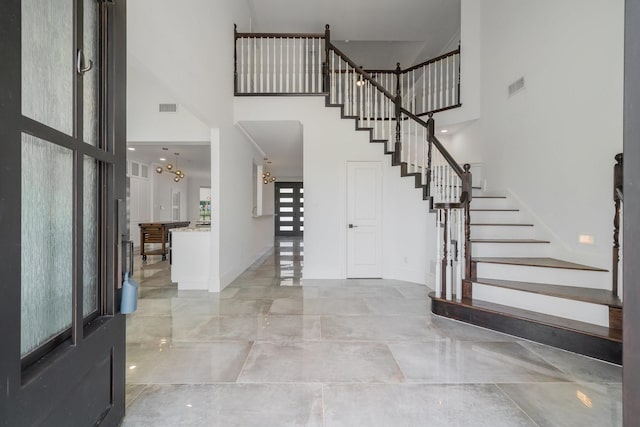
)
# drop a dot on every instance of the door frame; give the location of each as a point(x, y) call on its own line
point(57, 390)
point(297, 195)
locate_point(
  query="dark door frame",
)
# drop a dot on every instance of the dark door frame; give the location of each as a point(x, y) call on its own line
point(58, 389)
point(631, 267)
point(296, 205)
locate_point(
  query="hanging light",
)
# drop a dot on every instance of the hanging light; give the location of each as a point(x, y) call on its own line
point(360, 81)
point(178, 173)
point(266, 175)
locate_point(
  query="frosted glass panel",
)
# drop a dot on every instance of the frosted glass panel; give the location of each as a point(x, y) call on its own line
point(90, 78)
point(90, 236)
point(48, 62)
point(47, 239)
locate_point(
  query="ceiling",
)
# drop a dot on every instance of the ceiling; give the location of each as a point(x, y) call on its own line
point(281, 141)
point(194, 158)
point(380, 32)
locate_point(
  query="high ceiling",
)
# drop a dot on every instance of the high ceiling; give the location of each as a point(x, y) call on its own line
point(380, 32)
point(193, 159)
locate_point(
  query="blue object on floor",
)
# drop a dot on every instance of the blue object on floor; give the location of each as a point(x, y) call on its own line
point(129, 302)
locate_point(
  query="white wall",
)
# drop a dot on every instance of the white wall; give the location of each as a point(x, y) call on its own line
point(163, 187)
point(329, 142)
point(194, 63)
point(551, 145)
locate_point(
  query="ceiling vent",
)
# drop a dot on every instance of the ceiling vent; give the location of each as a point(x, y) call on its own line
point(168, 108)
point(516, 86)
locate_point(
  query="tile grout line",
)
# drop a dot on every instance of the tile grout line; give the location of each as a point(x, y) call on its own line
point(244, 364)
point(505, 394)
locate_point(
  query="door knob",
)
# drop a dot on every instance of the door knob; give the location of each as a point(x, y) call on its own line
point(353, 226)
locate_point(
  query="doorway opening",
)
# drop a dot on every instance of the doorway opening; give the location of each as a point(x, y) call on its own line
point(289, 207)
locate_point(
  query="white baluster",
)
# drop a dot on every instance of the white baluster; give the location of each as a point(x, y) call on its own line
point(320, 65)
point(332, 75)
point(438, 253)
point(274, 88)
point(449, 257)
point(429, 92)
point(459, 257)
point(306, 65)
point(300, 72)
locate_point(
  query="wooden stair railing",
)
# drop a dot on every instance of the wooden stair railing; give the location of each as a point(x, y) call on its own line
point(309, 64)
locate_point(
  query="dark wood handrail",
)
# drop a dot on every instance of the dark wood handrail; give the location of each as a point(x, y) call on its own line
point(363, 73)
point(413, 67)
point(430, 61)
point(433, 139)
point(280, 35)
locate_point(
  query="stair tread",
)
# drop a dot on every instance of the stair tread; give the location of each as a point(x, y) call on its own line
point(560, 322)
point(538, 262)
point(500, 224)
point(594, 296)
point(508, 241)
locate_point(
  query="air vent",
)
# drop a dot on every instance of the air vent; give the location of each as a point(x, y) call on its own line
point(168, 108)
point(516, 86)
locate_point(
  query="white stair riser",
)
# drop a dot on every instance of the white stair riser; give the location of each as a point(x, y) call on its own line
point(576, 310)
point(501, 232)
point(554, 276)
point(510, 249)
point(496, 217)
point(491, 204)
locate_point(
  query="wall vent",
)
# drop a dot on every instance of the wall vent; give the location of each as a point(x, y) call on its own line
point(516, 86)
point(168, 108)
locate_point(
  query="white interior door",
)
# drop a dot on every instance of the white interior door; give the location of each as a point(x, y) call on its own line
point(364, 219)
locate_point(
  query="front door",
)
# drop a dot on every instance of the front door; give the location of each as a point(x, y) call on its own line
point(289, 206)
point(62, 118)
point(364, 219)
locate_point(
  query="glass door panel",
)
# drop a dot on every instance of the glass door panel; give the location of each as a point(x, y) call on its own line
point(90, 237)
point(48, 63)
point(91, 77)
point(47, 241)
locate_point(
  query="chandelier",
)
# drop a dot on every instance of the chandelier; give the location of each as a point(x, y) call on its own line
point(267, 177)
point(170, 168)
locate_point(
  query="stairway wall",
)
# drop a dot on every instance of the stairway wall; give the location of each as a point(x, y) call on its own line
point(329, 142)
point(552, 144)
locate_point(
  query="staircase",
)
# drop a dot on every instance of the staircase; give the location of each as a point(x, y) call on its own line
point(516, 288)
point(492, 268)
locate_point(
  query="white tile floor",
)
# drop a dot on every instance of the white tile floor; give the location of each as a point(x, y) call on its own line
point(274, 350)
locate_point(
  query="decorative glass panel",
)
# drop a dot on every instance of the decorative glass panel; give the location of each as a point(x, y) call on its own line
point(47, 241)
point(286, 209)
point(286, 200)
point(286, 228)
point(286, 219)
point(286, 190)
point(302, 228)
point(90, 236)
point(48, 62)
point(90, 78)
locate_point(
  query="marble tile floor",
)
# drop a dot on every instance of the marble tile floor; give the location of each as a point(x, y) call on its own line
point(273, 349)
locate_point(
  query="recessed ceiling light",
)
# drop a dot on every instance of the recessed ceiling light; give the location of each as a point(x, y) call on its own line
point(131, 149)
point(444, 131)
point(162, 159)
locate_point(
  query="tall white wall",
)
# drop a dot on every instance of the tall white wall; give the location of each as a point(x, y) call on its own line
point(187, 48)
point(551, 145)
point(329, 143)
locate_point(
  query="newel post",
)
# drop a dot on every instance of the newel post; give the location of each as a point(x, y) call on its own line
point(235, 59)
point(617, 192)
point(398, 105)
point(466, 199)
point(325, 65)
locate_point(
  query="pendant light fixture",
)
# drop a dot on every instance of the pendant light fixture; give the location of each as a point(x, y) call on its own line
point(170, 168)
